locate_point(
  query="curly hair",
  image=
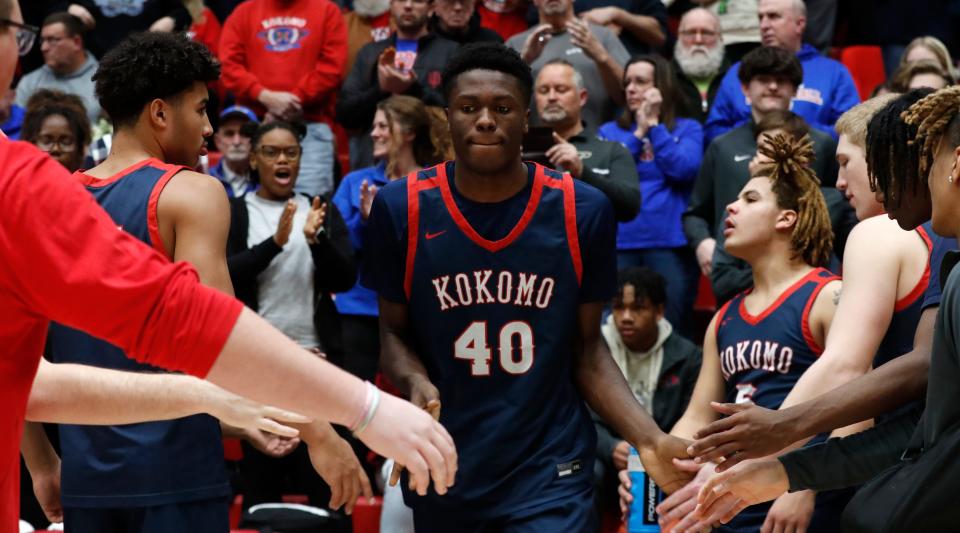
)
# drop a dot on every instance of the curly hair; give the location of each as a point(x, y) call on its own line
point(797, 188)
point(45, 103)
point(431, 142)
point(934, 116)
point(770, 61)
point(147, 66)
point(893, 159)
point(488, 56)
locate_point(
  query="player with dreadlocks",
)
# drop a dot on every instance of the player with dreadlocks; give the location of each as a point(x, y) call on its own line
point(893, 163)
point(924, 492)
point(760, 343)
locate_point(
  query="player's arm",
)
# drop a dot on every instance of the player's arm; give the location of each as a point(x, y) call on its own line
point(862, 314)
point(606, 392)
point(199, 219)
point(44, 465)
point(709, 388)
point(398, 361)
point(79, 394)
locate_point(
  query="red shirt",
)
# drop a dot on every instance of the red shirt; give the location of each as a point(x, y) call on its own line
point(207, 31)
point(298, 46)
point(506, 24)
point(62, 258)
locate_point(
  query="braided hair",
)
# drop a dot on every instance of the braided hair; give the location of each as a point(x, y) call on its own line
point(797, 188)
point(893, 159)
point(935, 116)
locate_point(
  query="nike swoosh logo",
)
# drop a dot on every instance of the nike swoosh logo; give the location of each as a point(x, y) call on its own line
point(739, 158)
point(437, 234)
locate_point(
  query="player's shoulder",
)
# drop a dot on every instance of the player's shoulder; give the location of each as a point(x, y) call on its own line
point(192, 191)
point(22, 159)
point(590, 197)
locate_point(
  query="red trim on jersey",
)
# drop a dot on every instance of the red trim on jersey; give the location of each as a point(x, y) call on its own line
point(719, 321)
point(91, 181)
point(805, 318)
point(754, 320)
point(467, 229)
point(570, 220)
point(153, 221)
point(413, 224)
point(924, 282)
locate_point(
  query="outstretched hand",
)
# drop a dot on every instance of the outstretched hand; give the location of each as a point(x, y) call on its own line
point(749, 432)
point(749, 483)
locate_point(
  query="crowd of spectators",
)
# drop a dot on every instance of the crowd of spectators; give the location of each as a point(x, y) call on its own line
point(661, 105)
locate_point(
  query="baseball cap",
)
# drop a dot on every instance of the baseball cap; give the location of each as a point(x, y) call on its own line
point(239, 111)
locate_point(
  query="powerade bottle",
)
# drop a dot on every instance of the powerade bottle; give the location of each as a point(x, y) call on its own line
point(646, 496)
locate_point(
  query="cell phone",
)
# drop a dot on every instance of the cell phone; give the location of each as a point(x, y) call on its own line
point(536, 142)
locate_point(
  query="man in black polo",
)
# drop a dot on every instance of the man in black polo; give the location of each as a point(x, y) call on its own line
point(560, 95)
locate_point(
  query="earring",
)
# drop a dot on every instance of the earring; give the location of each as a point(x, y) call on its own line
point(950, 178)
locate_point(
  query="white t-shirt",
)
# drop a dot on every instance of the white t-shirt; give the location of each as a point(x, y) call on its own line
point(285, 287)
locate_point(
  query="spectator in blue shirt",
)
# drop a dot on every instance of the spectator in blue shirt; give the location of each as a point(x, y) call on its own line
point(407, 136)
point(827, 90)
point(667, 151)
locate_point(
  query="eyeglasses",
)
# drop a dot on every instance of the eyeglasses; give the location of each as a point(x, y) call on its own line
point(66, 144)
point(292, 153)
point(706, 35)
point(26, 35)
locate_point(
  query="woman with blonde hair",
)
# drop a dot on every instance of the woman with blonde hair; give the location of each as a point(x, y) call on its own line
point(930, 48)
point(407, 136)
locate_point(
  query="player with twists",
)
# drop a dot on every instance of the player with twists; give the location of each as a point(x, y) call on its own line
point(492, 275)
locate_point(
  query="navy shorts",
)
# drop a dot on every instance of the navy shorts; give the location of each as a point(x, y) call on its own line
point(570, 515)
point(208, 516)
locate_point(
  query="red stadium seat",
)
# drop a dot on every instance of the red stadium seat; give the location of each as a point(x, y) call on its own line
point(865, 64)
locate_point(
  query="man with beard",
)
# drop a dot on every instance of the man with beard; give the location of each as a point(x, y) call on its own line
point(595, 52)
point(233, 143)
point(458, 21)
point(559, 96)
point(286, 58)
point(408, 62)
point(699, 62)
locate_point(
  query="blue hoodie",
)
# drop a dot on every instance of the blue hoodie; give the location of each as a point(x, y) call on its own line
point(667, 173)
point(826, 93)
point(359, 300)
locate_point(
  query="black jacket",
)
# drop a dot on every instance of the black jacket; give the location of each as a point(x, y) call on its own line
point(690, 104)
point(475, 32)
point(678, 376)
point(335, 268)
point(361, 92)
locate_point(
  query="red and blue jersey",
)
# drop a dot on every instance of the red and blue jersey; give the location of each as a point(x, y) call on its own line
point(898, 339)
point(134, 465)
point(762, 357)
point(493, 292)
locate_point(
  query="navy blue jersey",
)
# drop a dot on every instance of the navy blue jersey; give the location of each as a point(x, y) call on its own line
point(898, 339)
point(763, 356)
point(134, 465)
point(493, 292)
point(941, 245)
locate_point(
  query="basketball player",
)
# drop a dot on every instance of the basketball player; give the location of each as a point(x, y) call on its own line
point(884, 288)
point(759, 344)
point(935, 118)
point(492, 274)
point(893, 164)
point(63, 258)
point(167, 474)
